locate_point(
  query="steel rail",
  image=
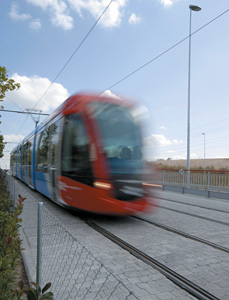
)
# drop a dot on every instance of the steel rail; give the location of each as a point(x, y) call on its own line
point(181, 281)
point(192, 215)
point(184, 234)
point(194, 205)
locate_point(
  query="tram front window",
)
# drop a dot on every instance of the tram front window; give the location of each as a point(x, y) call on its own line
point(75, 161)
point(120, 137)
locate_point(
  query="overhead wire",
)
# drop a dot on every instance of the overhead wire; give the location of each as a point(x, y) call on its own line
point(135, 71)
point(77, 48)
point(25, 86)
point(180, 146)
point(67, 62)
point(194, 148)
point(22, 109)
point(201, 127)
point(138, 69)
point(75, 51)
point(166, 51)
point(181, 137)
point(7, 97)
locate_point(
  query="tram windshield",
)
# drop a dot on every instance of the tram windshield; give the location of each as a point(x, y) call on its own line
point(120, 134)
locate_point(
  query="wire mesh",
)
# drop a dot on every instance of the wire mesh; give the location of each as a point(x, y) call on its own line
point(75, 273)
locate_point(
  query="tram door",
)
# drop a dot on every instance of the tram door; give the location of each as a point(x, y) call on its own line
point(54, 139)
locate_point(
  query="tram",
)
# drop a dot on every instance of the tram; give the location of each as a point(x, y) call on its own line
point(86, 155)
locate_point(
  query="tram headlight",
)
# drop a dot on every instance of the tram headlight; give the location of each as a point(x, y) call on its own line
point(102, 185)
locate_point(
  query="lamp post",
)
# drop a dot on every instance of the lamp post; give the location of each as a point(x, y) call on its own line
point(192, 8)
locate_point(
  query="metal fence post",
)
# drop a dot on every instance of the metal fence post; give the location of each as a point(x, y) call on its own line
point(208, 181)
point(163, 179)
point(39, 245)
point(15, 197)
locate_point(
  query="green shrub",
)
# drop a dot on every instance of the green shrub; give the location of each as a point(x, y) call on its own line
point(10, 243)
point(10, 247)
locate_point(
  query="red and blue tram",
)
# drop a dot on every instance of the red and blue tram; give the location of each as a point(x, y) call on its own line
point(86, 155)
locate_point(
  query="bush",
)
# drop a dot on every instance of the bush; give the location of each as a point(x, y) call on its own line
point(10, 243)
point(10, 247)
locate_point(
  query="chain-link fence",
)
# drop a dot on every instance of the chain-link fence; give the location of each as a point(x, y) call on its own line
point(75, 273)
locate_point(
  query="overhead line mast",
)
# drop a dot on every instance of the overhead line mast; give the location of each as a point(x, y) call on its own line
point(24, 112)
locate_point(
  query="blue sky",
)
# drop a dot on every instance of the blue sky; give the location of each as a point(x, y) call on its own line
point(39, 36)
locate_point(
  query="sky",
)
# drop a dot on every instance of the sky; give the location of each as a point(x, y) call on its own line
point(45, 42)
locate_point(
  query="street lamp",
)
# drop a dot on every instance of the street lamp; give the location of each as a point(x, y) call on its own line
point(192, 8)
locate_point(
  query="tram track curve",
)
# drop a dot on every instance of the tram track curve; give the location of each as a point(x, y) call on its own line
point(179, 280)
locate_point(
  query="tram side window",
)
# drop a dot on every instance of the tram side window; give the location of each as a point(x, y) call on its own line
point(14, 161)
point(29, 152)
point(24, 156)
point(29, 156)
point(14, 157)
point(75, 153)
point(54, 135)
point(19, 156)
point(42, 151)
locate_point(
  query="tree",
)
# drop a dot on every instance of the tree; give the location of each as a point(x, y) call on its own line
point(6, 85)
point(2, 146)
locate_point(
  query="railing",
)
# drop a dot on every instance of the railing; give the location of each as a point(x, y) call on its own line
point(204, 181)
point(75, 273)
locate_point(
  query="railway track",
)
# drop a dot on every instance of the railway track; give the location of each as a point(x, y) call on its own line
point(181, 281)
point(184, 234)
point(195, 216)
point(194, 205)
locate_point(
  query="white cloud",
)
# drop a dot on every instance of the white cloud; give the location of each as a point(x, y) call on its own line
point(184, 156)
point(163, 127)
point(174, 141)
point(133, 19)
point(58, 10)
point(173, 155)
point(157, 139)
point(35, 24)
point(111, 18)
point(5, 161)
point(60, 18)
point(16, 16)
point(108, 93)
point(13, 138)
point(160, 140)
point(166, 3)
point(32, 88)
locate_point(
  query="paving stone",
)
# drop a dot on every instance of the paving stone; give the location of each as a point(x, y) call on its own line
point(193, 259)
